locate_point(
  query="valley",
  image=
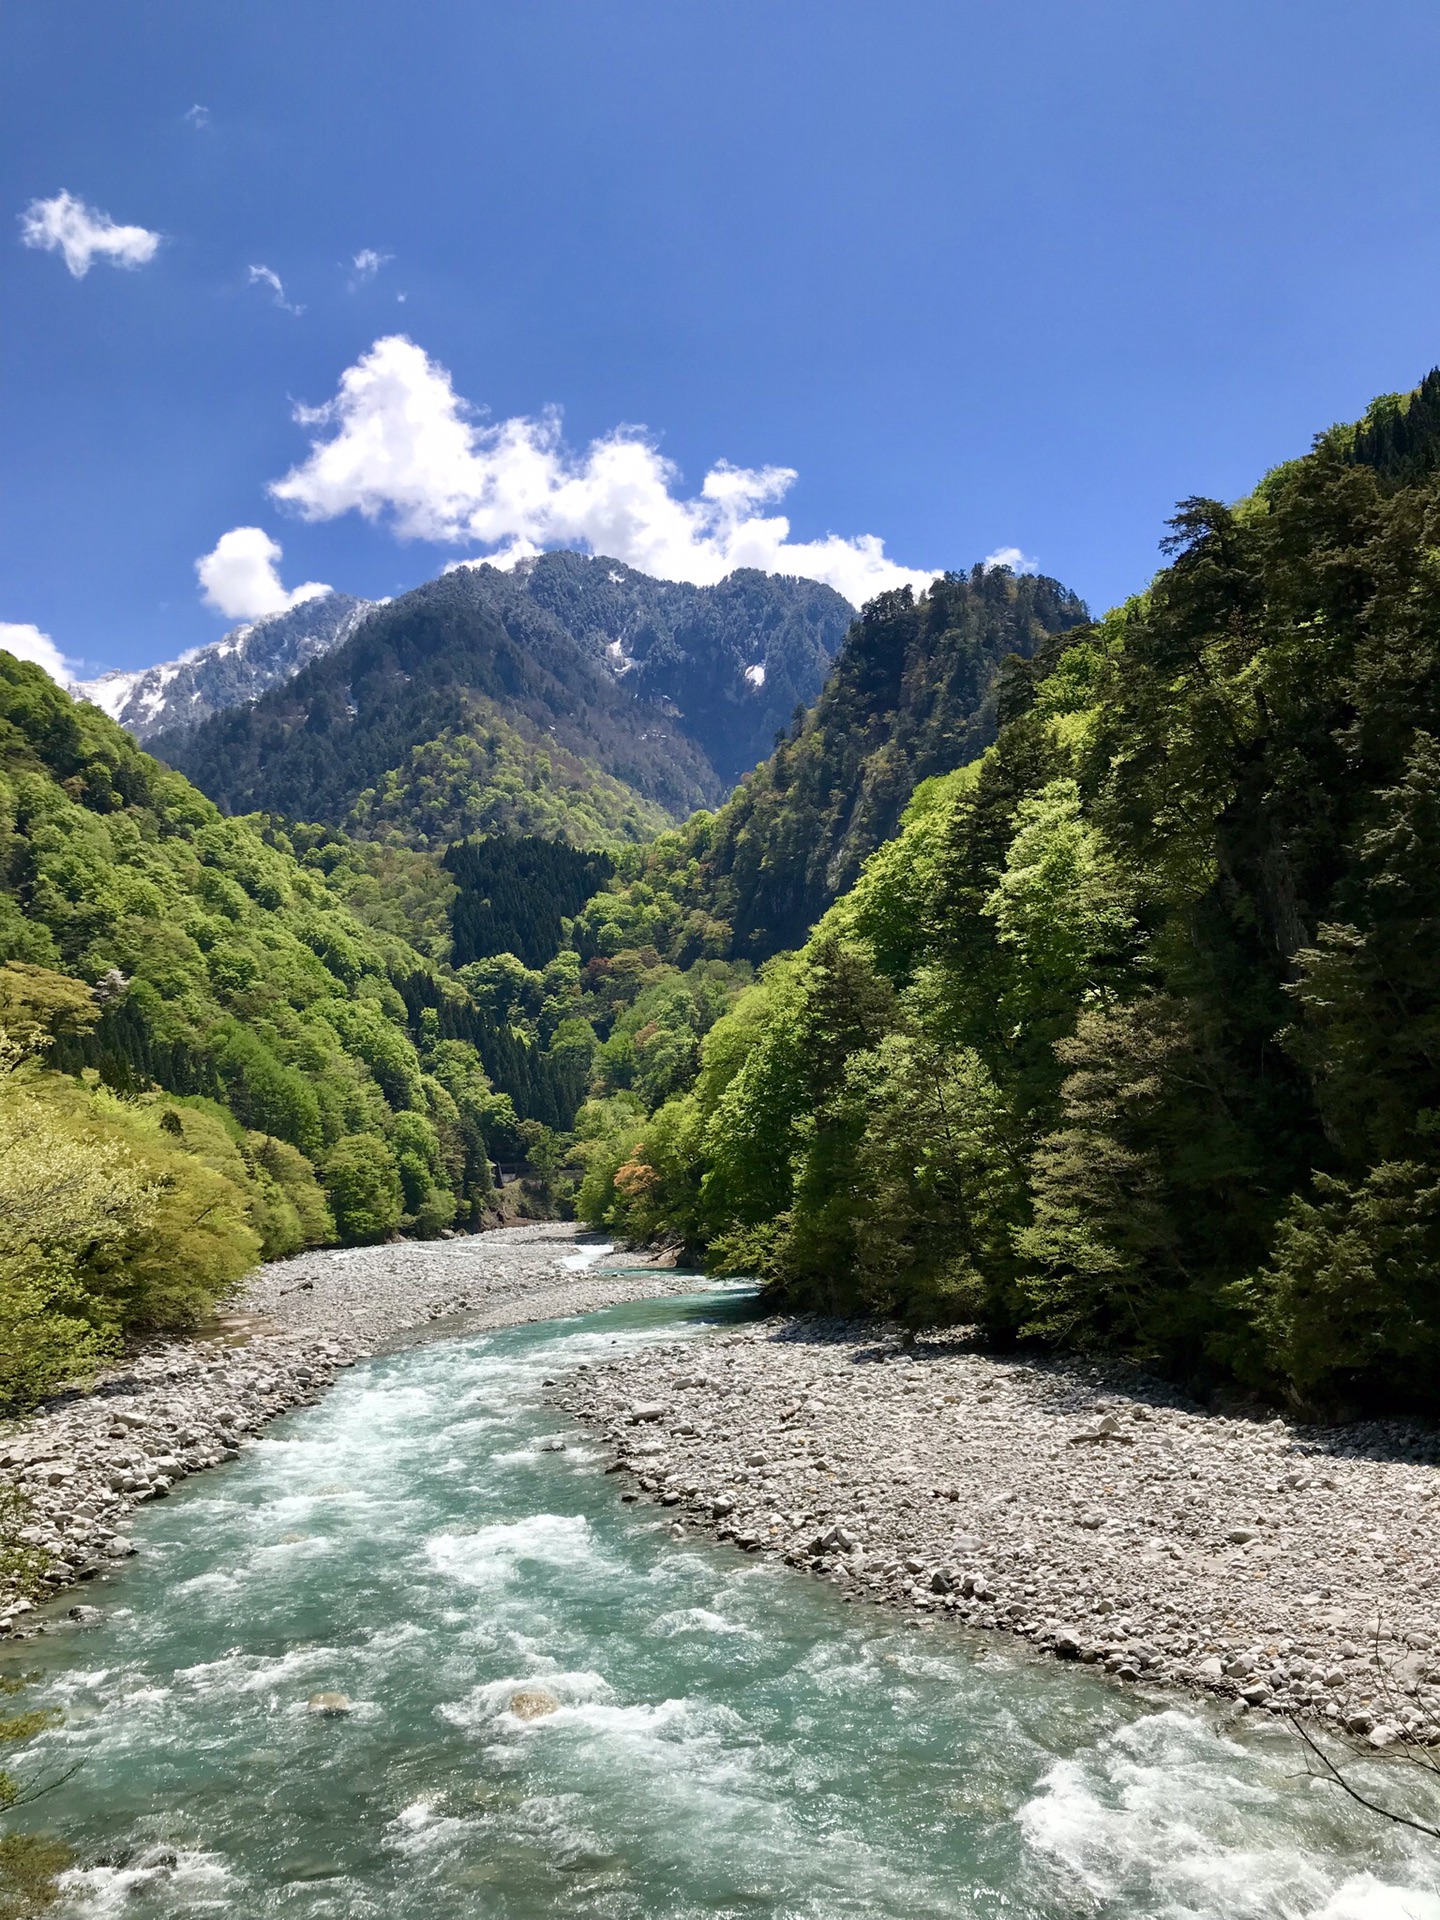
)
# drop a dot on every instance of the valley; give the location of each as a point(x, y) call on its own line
point(1035, 1037)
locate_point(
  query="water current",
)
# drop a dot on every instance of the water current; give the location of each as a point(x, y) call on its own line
point(732, 1738)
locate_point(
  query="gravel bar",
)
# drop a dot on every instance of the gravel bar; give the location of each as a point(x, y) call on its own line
point(85, 1461)
point(1289, 1569)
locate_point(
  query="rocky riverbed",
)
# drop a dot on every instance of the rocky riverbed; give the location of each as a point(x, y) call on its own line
point(1290, 1569)
point(86, 1461)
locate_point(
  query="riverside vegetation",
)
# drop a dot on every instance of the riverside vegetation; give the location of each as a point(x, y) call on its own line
point(208, 1058)
point(1127, 1041)
point(1123, 1041)
point(1072, 981)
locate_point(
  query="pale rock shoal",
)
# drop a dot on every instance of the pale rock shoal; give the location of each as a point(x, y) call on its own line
point(1291, 1569)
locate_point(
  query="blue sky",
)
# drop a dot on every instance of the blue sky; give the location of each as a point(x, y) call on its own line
point(980, 276)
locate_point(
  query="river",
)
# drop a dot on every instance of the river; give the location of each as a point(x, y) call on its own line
point(732, 1737)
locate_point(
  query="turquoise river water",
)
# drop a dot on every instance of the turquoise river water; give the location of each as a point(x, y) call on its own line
point(733, 1738)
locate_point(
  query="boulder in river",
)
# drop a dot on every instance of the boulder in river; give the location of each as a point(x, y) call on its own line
point(331, 1704)
point(533, 1703)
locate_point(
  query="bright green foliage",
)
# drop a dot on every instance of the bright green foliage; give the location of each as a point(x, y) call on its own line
point(30, 1863)
point(488, 776)
point(654, 1043)
point(914, 693)
point(396, 890)
point(362, 1185)
point(114, 1215)
point(1130, 1039)
point(30, 1869)
point(289, 1211)
point(168, 950)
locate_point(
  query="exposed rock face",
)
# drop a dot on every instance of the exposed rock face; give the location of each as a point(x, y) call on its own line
point(1290, 1569)
point(240, 667)
point(644, 679)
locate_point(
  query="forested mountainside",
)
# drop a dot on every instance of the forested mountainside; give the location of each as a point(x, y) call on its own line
point(1131, 1039)
point(490, 701)
point(485, 774)
point(205, 1056)
point(915, 692)
point(239, 667)
point(732, 661)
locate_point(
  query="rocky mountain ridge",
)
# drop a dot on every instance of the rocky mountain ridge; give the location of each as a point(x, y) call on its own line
point(670, 689)
point(240, 666)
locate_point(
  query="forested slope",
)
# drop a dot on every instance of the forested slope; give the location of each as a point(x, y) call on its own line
point(311, 748)
point(1131, 1039)
point(574, 697)
point(913, 693)
point(204, 1055)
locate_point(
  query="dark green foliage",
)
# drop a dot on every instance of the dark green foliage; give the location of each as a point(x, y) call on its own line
point(688, 648)
point(513, 895)
point(541, 1086)
point(311, 748)
point(1160, 1070)
point(913, 694)
point(1400, 436)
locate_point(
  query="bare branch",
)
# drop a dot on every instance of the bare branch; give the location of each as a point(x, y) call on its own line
point(1334, 1775)
point(41, 1787)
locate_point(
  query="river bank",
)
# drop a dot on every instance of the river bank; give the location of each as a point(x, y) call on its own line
point(563, 1705)
point(86, 1461)
point(1290, 1569)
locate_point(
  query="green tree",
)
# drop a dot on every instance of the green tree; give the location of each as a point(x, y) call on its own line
point(362, 1185)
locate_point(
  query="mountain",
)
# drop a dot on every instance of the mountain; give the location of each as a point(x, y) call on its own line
point(916, 691)
point(240, 667)
point(589, 671)
point(1130, 1041)
point(204, 1056)
point(730, 663)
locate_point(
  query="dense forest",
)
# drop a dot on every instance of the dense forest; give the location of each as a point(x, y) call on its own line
point(1097, 999)
point(1130, 1039)
point(515, 894)
point(914, 692)
point(206, 1055)
point(311, 748)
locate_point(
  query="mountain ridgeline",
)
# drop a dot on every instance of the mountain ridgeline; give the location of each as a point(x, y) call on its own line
point(242, 665)
point(1073, 979)
point(1127, 1041)
point(572, 697)
point(916, 691)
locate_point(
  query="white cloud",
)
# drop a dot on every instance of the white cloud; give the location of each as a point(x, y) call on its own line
point(198, 116)
point(398, 444)
point(1012, 558)
point(238, 576)
point(267, 277)
point(367, 263)
point(83, 234)
point(27, 642)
